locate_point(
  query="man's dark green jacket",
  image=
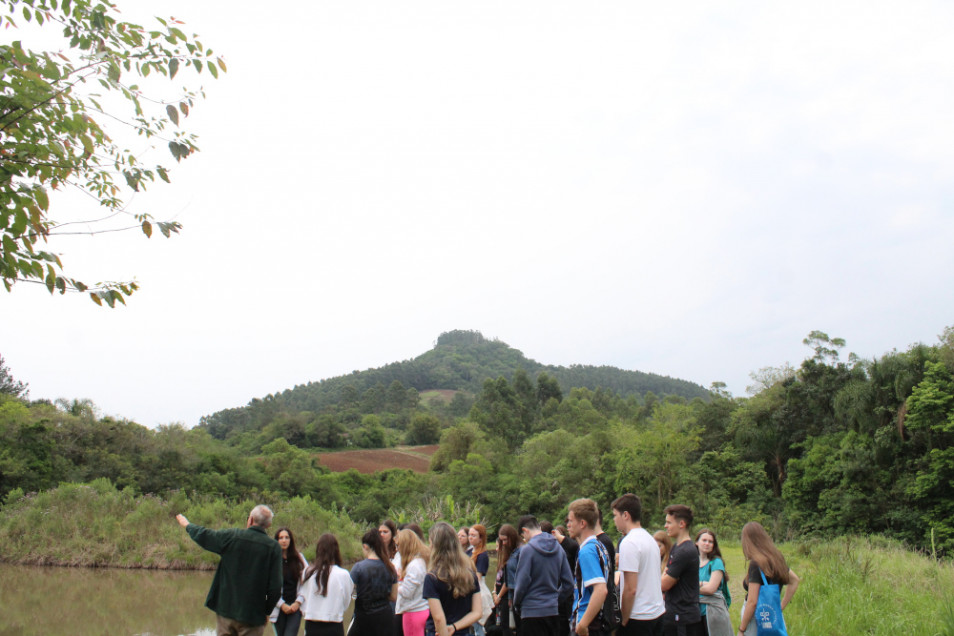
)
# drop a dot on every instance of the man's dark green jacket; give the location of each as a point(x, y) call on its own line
point(248, 581)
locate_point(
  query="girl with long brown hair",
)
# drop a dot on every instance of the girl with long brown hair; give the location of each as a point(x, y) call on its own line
point(286, 617)
point(764, 559)
point(714, 596)
point(388, 531)
point(464, 536)
point(450, 586)
point(507, 541)
point(326, 590)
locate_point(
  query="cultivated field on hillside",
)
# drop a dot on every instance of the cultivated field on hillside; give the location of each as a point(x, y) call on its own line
point(416, 458)
point(441, 395)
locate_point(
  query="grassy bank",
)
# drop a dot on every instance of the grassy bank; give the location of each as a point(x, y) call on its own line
point(849, 585)
point(96, 525)
point(858, 585)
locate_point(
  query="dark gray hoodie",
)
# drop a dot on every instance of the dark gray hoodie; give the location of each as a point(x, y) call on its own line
point(543, 578)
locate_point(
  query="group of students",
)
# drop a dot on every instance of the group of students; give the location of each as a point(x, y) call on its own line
point(402, 586)
point(549, 581)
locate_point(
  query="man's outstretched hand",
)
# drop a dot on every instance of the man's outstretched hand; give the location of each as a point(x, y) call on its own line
point(182, 520)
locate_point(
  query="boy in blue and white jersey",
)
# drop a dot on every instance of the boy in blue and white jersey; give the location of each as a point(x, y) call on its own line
point(591, 572)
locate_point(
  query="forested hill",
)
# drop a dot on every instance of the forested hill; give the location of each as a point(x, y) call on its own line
point(459, 361)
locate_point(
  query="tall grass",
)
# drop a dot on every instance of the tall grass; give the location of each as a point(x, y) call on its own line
point(97, 525)
point(852, 585)
point(434, 509)
point(859, 585)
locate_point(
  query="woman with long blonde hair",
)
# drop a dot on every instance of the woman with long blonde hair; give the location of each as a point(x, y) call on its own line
point(450, 586)
point(410, 601)
point(766, 563)
point(665, 545)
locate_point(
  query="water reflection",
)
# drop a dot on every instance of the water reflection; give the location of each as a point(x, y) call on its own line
point(82, 601)
point(48, 601)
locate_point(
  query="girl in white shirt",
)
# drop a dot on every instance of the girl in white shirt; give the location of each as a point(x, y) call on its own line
point(411, 604)
point(326, 589)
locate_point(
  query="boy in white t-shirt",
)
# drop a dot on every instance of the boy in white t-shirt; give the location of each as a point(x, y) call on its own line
point(641, 599)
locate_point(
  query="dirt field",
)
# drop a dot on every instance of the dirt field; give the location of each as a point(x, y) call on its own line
point(444, 395)
point(416, 458)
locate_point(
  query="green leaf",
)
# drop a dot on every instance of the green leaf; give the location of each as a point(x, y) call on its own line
point(51, 71)
point(147, 228)
point(41, 199)
point(168, 228)
point(132, 180)
point(222, 65)
point(213, 70)
point(173, 114)
point(19, 223)
point(173, 67)
point(163, 174)
point(113, 73)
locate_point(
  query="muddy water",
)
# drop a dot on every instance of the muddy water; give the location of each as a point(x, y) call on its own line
point(82, 601)
point(48, 601)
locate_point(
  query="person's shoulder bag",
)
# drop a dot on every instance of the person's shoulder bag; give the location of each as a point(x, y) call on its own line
point(768, 612)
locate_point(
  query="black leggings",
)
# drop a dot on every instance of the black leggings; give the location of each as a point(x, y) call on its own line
point(321, 628)
point(377, 624)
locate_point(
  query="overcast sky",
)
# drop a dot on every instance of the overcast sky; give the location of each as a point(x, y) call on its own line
point(679, 188)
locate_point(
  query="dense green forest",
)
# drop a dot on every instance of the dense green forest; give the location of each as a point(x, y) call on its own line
point(828, 448)
point(329, 413)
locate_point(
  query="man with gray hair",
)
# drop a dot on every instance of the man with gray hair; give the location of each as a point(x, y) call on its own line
point(248, 581)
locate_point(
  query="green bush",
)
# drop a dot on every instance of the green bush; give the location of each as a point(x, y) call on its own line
point(96, 524)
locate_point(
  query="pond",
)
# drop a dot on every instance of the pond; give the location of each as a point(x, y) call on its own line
point(87, 601)
point(48, 601)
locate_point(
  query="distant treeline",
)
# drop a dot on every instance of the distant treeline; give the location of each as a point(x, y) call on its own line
point(828, 448)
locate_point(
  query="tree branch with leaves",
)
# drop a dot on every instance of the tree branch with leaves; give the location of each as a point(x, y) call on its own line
point(54, 109)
